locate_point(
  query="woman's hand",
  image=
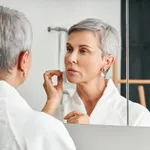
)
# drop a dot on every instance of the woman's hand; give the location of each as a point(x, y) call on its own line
point(76, 117)
point(54, 93)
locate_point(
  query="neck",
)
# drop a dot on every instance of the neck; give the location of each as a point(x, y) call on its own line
point(12, 79)
point(90, 92)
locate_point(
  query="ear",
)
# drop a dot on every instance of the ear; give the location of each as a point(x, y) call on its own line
point(23, 60)
point(108, 61)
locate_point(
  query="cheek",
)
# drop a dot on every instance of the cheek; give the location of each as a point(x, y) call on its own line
point(65, 60)
point(93, 65)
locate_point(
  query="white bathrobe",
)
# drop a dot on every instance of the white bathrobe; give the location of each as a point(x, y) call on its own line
point(22, 128)
point(111, 109)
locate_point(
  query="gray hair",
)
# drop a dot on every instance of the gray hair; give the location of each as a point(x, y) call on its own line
point(108, 36)
point(15, 37)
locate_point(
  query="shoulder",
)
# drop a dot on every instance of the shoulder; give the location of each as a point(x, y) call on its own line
point(138, 114)
point(46, 132)
point(41, 121)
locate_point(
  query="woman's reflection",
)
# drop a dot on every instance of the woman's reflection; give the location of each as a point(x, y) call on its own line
point(91, 50)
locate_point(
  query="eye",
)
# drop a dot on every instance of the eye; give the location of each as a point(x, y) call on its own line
point(69, 49)
point(83, 51)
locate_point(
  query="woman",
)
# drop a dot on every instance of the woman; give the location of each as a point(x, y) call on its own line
point(92, 47)
point(22, 128)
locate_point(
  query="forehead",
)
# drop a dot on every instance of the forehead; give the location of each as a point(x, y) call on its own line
point(85, 37)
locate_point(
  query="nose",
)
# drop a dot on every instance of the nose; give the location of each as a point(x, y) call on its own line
point(72, 58)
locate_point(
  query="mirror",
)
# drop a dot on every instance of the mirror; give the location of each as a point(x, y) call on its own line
point(59, 16)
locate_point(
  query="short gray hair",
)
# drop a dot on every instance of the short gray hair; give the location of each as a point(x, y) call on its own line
point(108, 35)
point(15, 37)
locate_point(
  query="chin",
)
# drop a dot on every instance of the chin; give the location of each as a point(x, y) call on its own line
point(73, 80)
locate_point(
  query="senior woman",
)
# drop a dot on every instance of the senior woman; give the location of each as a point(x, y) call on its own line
point(22, 128)
point(92, 47)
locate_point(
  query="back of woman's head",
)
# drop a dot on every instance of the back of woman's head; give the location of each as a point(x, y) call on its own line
point(109, 40)
point(15, 37)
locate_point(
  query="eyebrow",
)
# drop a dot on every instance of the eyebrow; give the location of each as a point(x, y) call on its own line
point(68, 44)
point(80, 45)
point(85, 46)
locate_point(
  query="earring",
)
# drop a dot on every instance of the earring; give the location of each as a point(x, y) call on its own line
point(103, 73)
point(25, 73)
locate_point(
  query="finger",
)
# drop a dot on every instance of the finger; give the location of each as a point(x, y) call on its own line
point(47, 79)
point(71, 114)
point(59, 85)
point(51, 73)
point(73, 119)
point(72, 122)
point(60, 80)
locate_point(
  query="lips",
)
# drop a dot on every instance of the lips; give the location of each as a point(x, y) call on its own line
point(71, 70)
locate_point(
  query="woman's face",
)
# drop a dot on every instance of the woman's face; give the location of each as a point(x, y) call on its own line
point(83, 59)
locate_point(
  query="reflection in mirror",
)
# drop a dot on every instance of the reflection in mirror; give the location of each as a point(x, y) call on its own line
point(139, 22)
point(91, 49)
